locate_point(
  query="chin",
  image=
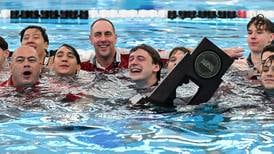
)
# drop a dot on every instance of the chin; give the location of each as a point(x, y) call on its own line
point(62, 72)
point(269, 87)
point(105, 53)
point(135, 78)
point(27, 84)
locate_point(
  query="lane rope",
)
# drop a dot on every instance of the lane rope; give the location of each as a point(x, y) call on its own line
point(171, 14)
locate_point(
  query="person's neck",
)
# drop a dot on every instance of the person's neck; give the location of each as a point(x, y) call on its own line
point(256, 60)
point(142, 84)
point(105, 61)
point(42, 57)
point(269, 93)
point(4, 66)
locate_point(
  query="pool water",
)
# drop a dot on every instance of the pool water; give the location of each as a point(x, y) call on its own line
point(236, 120)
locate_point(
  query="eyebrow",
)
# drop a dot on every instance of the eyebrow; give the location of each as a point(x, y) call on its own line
point(69, 53)
point(102, 31)
point(24, 57)
point(31, 34)
point(60, 52)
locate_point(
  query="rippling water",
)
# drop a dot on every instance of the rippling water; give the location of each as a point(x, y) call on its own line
point(236, 120)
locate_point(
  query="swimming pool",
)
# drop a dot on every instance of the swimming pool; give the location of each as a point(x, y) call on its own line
point(236, 122)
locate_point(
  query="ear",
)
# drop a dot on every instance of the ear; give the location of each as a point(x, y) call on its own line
point(78, 69)
point(6, 53)
point(10, 67)
point(272, 36)
point(156, 68)
point(115, 38)
point(46, 45)
point(90, 38)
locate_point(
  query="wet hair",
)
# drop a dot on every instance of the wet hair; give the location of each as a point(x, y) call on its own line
point(3, 44)
point(266, 63)
point(182, 49)
point(269, 47)
point(156, 59)
point(74, 52)
point(42, 30)
point(259, 21)
point(52, 52)
point(102, 19)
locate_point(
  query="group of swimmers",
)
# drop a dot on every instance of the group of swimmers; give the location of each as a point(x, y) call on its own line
point(144, 63)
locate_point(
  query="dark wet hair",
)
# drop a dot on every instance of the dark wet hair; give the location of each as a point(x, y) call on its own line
point(42, 30)
point(266, 63)
point(74, 52)
point(259, 21)
point(156, 59)
point(3, 44)
point(269, 47)
point(103, 19)
point(183, 49)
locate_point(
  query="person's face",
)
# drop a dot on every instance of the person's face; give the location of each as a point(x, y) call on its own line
point(4, 54)
point(175, 59)
point(33, 38)
point(103, 38)
point(141, 67)
point(267, 75)
point(257, 39)
point(25, 67)
point(65, 63)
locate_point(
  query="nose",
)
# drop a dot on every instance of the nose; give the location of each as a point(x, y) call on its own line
point(270, 71)
point(253, 35)
point(26, 63)
point(133, 61)
point(28, 41)
point(64, 58)
point(103, 37)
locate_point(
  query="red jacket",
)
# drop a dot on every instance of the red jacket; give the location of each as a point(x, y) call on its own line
point(7, 83)
point(120, 62)
point(68, 97)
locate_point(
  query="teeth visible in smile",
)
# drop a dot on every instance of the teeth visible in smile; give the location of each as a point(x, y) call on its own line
point(103, 46)
point(135, 70)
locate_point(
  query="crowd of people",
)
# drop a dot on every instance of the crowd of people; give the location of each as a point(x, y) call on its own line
point(144, 63)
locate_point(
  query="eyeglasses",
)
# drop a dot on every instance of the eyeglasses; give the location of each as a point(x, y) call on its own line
point(266, 64)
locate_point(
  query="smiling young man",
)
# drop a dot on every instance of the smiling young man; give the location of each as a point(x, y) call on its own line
point(260, 32)
point(25, 68)
point(66, 61)
point(107, 57)
point(36, 37)
point(144, 66)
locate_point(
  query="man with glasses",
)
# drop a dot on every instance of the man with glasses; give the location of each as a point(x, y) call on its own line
point(267, 74)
